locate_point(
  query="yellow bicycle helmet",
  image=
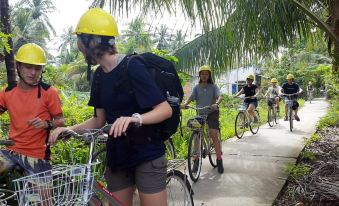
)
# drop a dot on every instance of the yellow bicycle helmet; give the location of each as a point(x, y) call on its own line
point(290, 76)
point(205, 68)
point(251, 77)
point(96, 21)
point(31, 54)
point(274, 80)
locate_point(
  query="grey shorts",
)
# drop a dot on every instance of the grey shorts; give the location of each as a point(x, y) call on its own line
point(10, 160)
point(213, 120)
point(149, 177)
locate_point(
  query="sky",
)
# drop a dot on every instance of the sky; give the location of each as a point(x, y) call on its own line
point(68, 12)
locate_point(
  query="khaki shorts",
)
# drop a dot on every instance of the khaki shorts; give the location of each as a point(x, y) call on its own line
point(213, 120)
point(149, 177)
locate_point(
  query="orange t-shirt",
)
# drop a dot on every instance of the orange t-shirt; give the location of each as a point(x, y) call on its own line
point(23, 105)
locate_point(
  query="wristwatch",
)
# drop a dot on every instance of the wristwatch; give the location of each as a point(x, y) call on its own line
point(50, 124)
point(137, 115)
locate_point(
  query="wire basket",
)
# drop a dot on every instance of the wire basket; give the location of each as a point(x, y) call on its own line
point(63, 185)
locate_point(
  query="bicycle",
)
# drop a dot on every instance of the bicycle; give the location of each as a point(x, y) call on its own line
point(200, 144)
point(179, 191)
point(6, 195)
point(310, 95)
point(290, 103)
point(170, 149)
point(272, 113)
point(243, 121)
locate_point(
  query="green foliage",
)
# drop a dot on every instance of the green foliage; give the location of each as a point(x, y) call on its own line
point(313, 138)
point(296, 171)
point(4, 46)
point(308, 156)
point(331, 118)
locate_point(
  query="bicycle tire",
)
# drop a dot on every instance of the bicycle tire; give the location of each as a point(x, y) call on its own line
point(270, 119)
point(276, 116)
point(240, 122)
point(212, 155)
point(98, 187)
point(7, 196)
point(170, 149)
point(183, 194)
point(291, 119)
point(254, 127)
point(191, 159)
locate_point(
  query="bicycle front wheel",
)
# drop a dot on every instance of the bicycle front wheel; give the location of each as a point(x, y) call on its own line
point(240, 125)
point(195, 155)
point(270, 118)
point(179, 191)
point(254, 126)
point(291, 119)
point(170, 150)
point(276, 116)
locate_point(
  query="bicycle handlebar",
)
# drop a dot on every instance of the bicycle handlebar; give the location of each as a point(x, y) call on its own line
point(89, 135)
point(199, 108)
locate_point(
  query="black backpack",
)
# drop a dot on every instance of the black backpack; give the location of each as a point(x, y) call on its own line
point(166, 77)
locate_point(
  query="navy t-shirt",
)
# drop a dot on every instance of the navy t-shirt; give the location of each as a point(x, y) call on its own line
point(250, 91)
point(123, 94)
point(290, 88)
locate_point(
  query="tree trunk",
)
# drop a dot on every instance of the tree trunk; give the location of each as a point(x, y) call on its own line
point(334, 24)
point(6, 28)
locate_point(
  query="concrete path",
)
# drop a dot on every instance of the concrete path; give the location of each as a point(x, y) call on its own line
point(255, 165)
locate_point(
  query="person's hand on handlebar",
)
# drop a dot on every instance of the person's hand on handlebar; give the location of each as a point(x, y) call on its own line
point(55, 134)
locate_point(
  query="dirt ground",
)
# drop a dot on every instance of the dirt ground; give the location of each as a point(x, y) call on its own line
point(320, 186)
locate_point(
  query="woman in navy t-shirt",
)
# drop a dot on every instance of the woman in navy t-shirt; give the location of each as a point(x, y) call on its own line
point(123, 95)
point(251, 91)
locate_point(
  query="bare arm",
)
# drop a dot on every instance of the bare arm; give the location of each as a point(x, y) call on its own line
point(240, 92)
point(92, 123)
point(158, 114)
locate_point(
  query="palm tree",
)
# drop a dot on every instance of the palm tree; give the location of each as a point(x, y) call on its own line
point(162, 37)
point(240, 31)
point(136, 38)
point(9, 55)
point(179, 41)
point(68, 47)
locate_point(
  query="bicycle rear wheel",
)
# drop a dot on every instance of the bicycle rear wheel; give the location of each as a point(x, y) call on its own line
point(254, 126)
point(270, 118)
point(179, 191)
point(239, 125)
point(195, 155)
point(170, 150)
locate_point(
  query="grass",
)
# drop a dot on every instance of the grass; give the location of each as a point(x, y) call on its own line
point(296, 171)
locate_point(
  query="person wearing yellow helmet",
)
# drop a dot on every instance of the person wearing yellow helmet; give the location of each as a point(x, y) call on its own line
point(206, 93)
point(273, 93)
point(290, 88)
point(140, 103)
point(251, 91)
point(34, 108)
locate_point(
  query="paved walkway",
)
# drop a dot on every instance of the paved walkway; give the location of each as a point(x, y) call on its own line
point(255, 165)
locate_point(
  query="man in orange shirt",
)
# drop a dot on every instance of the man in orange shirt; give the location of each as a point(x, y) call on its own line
point(34, 109)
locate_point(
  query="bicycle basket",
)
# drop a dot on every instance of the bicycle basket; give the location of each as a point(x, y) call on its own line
point(63, 185)
point(196, 122)
point(243, 107)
